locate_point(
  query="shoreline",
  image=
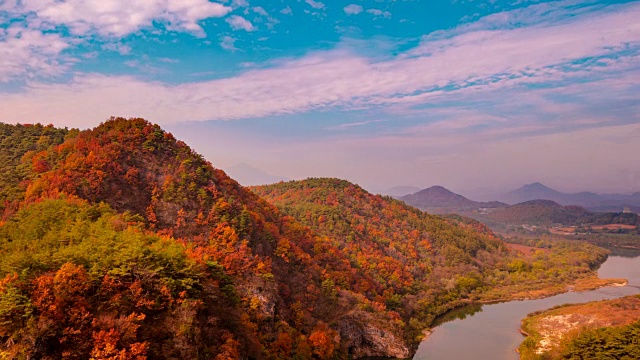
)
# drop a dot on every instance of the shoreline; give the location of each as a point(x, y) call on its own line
point(568, 288)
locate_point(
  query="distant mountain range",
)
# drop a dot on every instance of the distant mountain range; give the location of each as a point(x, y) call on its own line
point(589, 200)
point(547, 212)
point(438, 199)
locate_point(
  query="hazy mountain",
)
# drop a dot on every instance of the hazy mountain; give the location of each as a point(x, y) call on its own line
point(248, 175)
point(547, 212)
point(399, 191)
point(438, 199)
point(590, 200)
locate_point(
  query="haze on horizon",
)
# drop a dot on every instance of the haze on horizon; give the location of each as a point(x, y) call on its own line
point(468, 95)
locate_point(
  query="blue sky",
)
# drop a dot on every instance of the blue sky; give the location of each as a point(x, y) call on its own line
point(465, 94)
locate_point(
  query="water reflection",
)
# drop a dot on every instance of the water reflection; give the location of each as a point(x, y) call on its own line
point(458, 314)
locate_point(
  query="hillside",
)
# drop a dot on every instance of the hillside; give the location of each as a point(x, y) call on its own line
point(122, 242)
point(16, 142)
point(464, 260)
point(438, 199)
point(235, 291)
point(400, 247)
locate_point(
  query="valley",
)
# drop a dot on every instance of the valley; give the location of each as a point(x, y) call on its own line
point(123, 240)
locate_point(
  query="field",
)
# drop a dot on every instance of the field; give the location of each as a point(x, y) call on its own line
point(610, 227)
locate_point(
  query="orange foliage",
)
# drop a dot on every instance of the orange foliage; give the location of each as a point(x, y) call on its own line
point(322, 341)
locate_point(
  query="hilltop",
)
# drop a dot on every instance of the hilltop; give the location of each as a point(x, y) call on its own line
point(438, 199)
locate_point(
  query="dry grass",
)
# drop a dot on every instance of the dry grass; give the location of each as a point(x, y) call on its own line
point(589, 283)
point(549, 328)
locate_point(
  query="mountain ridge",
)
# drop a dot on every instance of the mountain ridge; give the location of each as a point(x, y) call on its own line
point(586, 199)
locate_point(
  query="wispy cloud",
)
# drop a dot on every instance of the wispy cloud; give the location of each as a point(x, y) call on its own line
point(355, 124)
point(228, 43)
point(286, 11)
point(240, 3)
point(378, 12)
point(315, 4)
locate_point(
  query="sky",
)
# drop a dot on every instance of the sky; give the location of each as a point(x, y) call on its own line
point(477, 96)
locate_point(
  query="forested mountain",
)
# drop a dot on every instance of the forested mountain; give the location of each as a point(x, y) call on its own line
point(121, 242)
point(439, 200)
point(406, 251)
point(393, 242)
point(164, 256)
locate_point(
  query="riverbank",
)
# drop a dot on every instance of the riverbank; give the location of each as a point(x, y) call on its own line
point(580, 285)
point(548, 332)
point(487, 329)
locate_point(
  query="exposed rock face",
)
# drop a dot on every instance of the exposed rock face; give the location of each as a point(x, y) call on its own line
point(364, 338)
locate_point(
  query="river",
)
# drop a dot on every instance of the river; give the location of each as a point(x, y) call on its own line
point(491, 331)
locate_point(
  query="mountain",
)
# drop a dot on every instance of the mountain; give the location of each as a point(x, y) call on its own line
point(599, 202)
point(438, 199)
point(379, 232)
point(534, 191)
point(129, 244)
point(248, 175)
point(408, 252)
point(399, 191)
point(547, 213)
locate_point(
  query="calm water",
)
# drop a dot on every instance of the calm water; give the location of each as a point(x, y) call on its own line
point(491, 331)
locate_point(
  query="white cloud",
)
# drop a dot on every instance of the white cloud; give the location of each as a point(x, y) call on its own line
point(352, 9)
point(315, 4)
point(25, 52)
point(120, 17)
point(239, 23)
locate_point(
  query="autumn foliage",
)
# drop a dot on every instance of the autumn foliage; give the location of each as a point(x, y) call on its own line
point(121, 242)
